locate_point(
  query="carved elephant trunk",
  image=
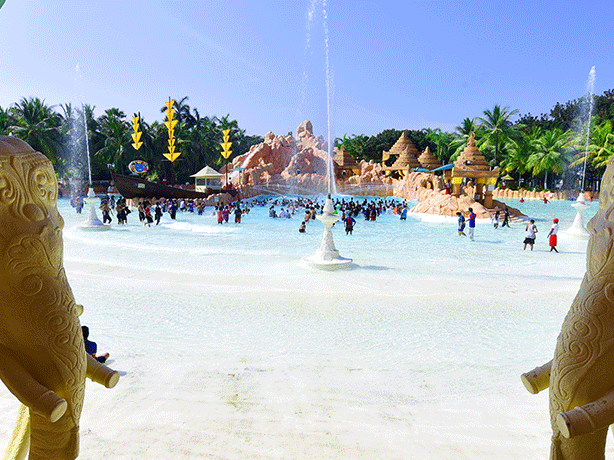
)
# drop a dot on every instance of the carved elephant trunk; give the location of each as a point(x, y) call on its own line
point(581, 374)
point(42, 356)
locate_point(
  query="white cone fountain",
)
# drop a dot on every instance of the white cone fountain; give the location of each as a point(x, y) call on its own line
point(327, 257)
point(93, 222)
point(577, 229)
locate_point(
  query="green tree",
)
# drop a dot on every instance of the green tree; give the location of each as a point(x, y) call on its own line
point(115, 132)
point(354, 145)
point(552, 154)
point(601, 145)
point(5, 122)
point(442, 140)
point(519, 150)
point(461, 136)
point(36, 123)
point(498, 128)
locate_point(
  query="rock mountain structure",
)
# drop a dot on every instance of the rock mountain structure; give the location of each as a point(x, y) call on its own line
point(288, 165)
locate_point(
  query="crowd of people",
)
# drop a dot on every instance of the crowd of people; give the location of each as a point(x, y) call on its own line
point(152, 210)
point(349, 210)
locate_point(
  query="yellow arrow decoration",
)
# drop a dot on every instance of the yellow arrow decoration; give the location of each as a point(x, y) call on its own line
point(226, 153)
point(226, 132)
point(171, 141)
point(137, 145)
point(170, 124)
point(226, 145)
point(169, 104)
point(172, 156)
point(136, 137)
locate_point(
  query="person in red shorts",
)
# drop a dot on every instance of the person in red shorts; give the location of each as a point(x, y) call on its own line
point(552, 235)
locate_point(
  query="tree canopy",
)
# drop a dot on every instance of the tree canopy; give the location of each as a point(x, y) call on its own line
point(544, 150)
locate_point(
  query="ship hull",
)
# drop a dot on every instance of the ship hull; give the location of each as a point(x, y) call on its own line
point(136, 187)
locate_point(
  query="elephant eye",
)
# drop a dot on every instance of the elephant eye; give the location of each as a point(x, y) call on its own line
point(33, 212)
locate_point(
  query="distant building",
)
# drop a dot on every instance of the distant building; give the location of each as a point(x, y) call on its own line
point(207, 178)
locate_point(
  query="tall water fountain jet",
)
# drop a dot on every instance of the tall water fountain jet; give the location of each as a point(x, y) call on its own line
point(92, 222)
point(330, 176)
point(578, 229)
point(590, 89)
point(327, 257)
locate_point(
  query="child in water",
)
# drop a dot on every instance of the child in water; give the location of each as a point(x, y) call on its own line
point(461, 224)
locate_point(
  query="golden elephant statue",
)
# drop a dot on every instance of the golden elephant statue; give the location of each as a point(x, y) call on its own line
point(42, 355)
point(581, 375)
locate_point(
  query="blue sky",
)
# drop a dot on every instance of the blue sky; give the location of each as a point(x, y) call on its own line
point(392, 64)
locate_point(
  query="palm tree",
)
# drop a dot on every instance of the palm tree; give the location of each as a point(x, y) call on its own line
point(354, 145)
point(38, 125)
point(601, 146)
point(5, 121)
point(182, 110)
point(553, 154)
point(442, 141)
point(519, 150)
point(115, 131)
point(498, 127)
point(462, 133)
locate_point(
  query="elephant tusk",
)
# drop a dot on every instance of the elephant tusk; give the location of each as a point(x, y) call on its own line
point(538, 379)
point(587, 419)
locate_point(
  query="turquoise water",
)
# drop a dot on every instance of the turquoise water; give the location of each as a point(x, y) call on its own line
point(418, 347)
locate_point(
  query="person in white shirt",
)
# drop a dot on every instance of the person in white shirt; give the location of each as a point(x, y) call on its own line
point(530, 236)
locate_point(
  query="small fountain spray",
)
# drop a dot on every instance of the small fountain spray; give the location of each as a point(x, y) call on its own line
point(327, 257)
point(578, 229)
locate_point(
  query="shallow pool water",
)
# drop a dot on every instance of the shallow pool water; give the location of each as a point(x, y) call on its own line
point(231, 348)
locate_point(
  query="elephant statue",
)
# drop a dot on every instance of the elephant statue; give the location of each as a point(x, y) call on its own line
point(581, 374)
point(42, 356)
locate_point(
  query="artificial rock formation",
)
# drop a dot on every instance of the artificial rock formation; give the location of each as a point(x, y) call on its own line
point(284, 161)
point(288, 164)
point(581, 374)
point(42, 355)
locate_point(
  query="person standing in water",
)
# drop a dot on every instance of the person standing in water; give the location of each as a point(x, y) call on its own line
point(471, 230)
point(552, 235)
point(506, 219)
point(495, 219)
point(349, 222)
point(530, 236)
point(461, 224)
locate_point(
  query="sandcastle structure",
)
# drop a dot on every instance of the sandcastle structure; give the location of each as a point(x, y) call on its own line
point(472, 164)
point(427, 160)
point(580, 376)
point(42, 356)
point(406, 157)
point(346, 163)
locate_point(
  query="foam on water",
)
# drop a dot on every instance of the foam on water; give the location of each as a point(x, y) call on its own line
point(230, 348)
